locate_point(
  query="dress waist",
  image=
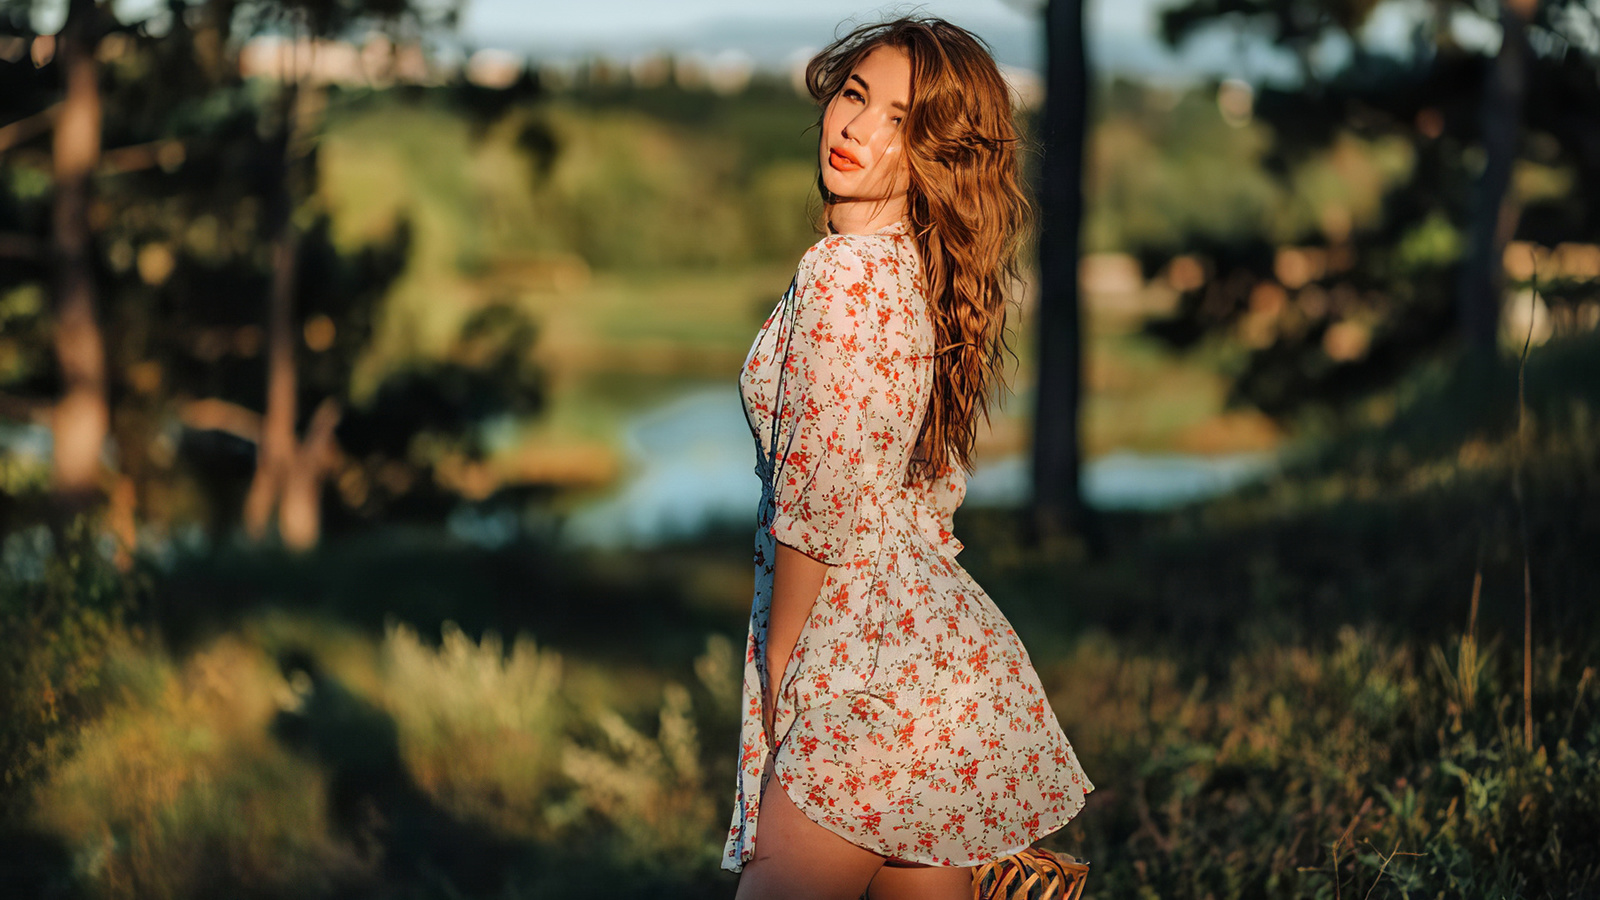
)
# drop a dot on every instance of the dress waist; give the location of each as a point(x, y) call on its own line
point(905, 504)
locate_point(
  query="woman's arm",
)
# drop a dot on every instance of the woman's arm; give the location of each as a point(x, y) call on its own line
point(822, 446)
point(796, 581)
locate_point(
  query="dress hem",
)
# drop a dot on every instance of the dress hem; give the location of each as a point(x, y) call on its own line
point(1038, 834)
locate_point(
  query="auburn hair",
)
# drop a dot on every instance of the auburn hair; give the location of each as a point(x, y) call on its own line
point(965, 208)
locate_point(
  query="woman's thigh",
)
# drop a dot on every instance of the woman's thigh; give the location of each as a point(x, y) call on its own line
point(797, 858)
point(896, 882)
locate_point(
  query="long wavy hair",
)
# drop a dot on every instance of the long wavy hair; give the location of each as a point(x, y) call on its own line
point(966, 213)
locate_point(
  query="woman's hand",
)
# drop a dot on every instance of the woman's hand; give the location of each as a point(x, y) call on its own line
point(796, 581)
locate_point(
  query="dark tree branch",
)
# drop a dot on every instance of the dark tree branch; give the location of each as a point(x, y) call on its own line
point(27, 128)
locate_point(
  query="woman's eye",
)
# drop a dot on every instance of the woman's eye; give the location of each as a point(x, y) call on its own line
point(851, 94)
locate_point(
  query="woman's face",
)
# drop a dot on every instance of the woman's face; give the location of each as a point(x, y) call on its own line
point(861, 144)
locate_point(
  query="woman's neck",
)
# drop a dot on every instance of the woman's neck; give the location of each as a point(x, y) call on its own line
point(865, 216)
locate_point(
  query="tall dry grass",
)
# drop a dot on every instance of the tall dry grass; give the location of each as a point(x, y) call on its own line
point(179, 790)
point(480, 728)
point(239, 769)
point(1324, 772)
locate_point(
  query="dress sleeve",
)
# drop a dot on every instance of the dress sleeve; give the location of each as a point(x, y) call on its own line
point(821, 489)
point(941, 496)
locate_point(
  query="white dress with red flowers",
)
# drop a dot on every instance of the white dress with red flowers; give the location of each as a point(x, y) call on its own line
point(910, 720)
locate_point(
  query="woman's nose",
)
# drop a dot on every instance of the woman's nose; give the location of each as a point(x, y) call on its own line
point(859, 127)
point(848, 130)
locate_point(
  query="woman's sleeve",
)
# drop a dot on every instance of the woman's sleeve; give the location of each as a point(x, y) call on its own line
point(941, 496)
point(821, 490)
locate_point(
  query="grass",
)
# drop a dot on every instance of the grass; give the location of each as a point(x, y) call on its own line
point(1250, 782)
point(1281, 694)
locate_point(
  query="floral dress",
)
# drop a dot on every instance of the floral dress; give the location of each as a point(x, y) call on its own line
point(910, 720)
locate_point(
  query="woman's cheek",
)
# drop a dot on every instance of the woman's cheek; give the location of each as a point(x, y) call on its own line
point(901, 179)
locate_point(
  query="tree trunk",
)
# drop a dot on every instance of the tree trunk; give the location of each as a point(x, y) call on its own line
point(211, 38)
point(1057, 495)
point(276, 449)
point(1495, 213)
point(289, 476)
point(300, 512)
point(82, 416)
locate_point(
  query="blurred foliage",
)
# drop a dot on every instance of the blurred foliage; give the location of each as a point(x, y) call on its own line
point(626, 183)
point(407, 270)
point(1381, 155)
point(179, 790)
point(1169, 174)
point(609, 175)
point(64, 613)
point(479, 727)
point(185, 212)
point(296, 758)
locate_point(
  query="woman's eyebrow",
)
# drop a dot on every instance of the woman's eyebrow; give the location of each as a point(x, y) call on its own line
point(861, 81)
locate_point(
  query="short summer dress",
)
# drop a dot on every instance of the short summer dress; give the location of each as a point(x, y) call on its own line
point(910, 720)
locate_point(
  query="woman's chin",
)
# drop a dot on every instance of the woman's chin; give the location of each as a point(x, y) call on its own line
point(838, 186)
point(853, 193)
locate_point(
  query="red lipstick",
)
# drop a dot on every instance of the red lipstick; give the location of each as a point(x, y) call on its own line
point(842, 160)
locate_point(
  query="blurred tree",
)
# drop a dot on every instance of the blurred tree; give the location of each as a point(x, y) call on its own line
point(290, 472)
point(204, 172)
point(1296, 25)
point(1057, 493)
point(1494, 214)
point(80, 418)
point(1356, 304)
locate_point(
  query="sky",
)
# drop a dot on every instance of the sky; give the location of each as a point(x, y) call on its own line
point(624, 25)
point(610, 18)
point(1122, 34)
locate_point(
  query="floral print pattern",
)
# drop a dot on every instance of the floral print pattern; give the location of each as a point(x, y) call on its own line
point(909, 720)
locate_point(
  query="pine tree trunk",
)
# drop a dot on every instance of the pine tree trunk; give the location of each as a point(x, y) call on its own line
point(289, 475)
point(1057, 495)
point(276, 447)
point(1495, 212)
point(82, 416)
point(276, 450)
point(300, 512)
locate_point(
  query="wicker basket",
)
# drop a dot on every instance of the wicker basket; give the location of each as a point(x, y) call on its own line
point(1033, 874)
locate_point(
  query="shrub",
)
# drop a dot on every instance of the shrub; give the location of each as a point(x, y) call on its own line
point(1306, 768)
point(63, 613)
point(650, 793)
point(179, 790)
point(480, 729)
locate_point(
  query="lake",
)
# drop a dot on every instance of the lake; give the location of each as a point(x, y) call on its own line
point(691, 465)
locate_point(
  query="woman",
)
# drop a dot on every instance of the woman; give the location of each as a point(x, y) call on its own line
point(895, 732)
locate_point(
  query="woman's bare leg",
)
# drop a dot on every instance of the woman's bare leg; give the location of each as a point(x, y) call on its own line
point(900, 882)
point(797, 859)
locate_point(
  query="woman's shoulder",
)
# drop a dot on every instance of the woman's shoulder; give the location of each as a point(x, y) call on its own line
point(857, 257)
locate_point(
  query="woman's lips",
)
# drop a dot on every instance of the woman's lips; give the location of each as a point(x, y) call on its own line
point(842, 161)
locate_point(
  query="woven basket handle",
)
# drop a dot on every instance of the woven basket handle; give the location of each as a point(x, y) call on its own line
point(1033, 874)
